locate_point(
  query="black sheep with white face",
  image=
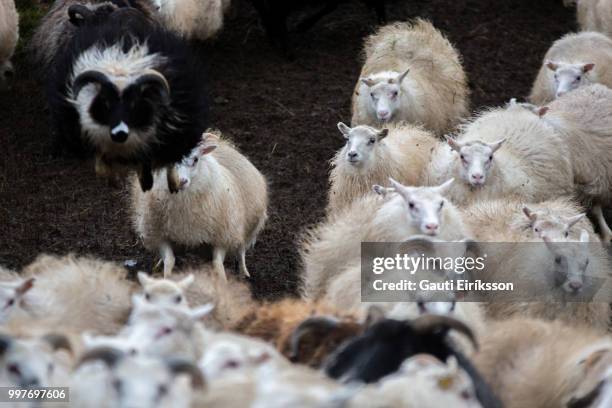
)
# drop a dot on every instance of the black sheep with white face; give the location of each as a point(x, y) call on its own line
point(130, 91)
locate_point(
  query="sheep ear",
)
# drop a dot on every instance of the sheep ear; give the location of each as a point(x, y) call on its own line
point(444, 187)
point(541, 111)
point(201, 311)
point(368, 82)
point(588, 67)
point(455, 145)
point(496, 145)
point(186, 282)
point(401, 76)
point(553, 66)
point(382, 134)
point(25, 286)
point(206, 149)
point(144, 279)
point(344, 129)
point(584, 236)
point(58, 341)
point(530, 214)
point(571, 221)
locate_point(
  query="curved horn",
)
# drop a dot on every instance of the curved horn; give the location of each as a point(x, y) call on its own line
point(305, 327)
point(5, 343)
point(428, 323)
point(77, 13)
point(58, 341)
point(153, 77)
point(180, 366)
point(89, 77)
point(108, 355)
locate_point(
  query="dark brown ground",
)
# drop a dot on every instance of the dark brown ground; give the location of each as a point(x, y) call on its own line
point(282, 114)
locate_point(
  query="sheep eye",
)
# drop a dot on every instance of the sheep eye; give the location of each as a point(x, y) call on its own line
point(578, 78)
point(162, 390)
point(441, 204)
point(14, 369)
point(10, 302)
point(536, 229)
point(394, 94)
point(178, 299)
point(566, 234)
point(558, 260)
point(195, 160)
point(147, 296)
point(462, 157)
point(372, 141)
point(372, 95)
point(491, 158)
point(411, 205)
point(117, 385)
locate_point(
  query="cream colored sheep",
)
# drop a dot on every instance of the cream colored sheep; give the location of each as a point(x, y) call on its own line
point(371, 156)
point(504, 152)
point(223, 202)
point(550, 276)
point(583, 118)
point(533, 363)
point(573, 61)
point(194, 19)
point(411, 73)
point(335, 243)
point(595, 15)
point(76, 293)
point(9, 35)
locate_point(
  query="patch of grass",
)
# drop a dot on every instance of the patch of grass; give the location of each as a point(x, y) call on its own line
point(30, 13)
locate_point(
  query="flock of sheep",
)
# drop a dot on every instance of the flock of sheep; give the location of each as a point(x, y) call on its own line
point(123, 85)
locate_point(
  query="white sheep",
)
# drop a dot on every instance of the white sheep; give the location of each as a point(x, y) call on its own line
point(574, 60)
point(231, 299)
point(534, 363)
point(503, 152)
point(371, 156)
point(79, 293)
point(329, 247)
point(194, 19)
point(583, 118)
point(556, 273)
point(595, 15)
point(223, 202)
point(411, 73)
point(9, 35)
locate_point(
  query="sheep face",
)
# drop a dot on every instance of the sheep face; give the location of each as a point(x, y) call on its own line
point(385, 94)
point(119, 107)
point(6, 74)
point(424, 204)
point(361, 143)
point(11, 296)
point(476, 160)
point(570, 263)
point(568, 77)
point(556, 229)
point(234, 355)
point(164, 292)
point(190, 166)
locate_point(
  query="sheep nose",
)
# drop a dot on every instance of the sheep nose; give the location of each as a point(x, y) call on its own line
point(352, 155)
point(431, 227)
point(477, 177)
point(561, 93)
point(383, 114)
point(183, 182)
point(119, 137)
point(575, 285)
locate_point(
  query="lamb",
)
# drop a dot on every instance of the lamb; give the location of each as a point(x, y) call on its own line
point(583, 119)
point(531, 362)
point(60, 24)
point(81, 293)
point(193, 19)
point(9, 35)
point(371, 156)
point(504, 152)
point(411, 73)
point(573, 61)
point(231, 299)
point(133, 380)
point(594, 15)
point(131, 91)
point(327, 248)
point(223, 203)
point(557, 273)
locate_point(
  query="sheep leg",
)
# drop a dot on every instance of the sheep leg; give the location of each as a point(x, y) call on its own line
point(243, 267)
point(167, 256)
point(172, 178)
point(605, 231)
point(218, 258)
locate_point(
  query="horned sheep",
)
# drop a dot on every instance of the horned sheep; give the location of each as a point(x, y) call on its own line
point(411, 73)
point(9, 35)
point(573, 61)
point(223, 203)
point(503, 152)
point(371, 156)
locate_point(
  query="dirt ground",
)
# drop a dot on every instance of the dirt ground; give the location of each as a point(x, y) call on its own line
point(282, 114)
